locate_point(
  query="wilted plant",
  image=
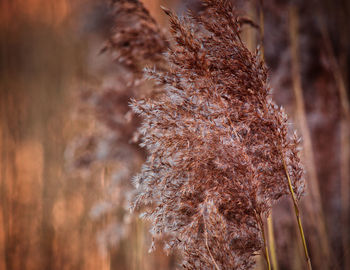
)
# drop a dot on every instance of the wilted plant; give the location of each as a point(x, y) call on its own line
point(219, 148)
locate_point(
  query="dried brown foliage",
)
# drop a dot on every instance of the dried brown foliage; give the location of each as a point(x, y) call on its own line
point(216, 144)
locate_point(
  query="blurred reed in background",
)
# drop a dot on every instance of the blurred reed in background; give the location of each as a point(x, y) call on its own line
point(54, 215)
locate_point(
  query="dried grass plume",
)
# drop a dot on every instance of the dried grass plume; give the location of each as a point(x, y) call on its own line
point(216, 145)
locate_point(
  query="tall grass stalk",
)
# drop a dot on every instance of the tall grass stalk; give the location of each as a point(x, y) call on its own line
point(270, 230)
point(297, 214)
point(313, 182)
point(345, 145)
point(271, 241)
point(266, 247)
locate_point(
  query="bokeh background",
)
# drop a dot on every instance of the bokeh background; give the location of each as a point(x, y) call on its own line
point(67, 146)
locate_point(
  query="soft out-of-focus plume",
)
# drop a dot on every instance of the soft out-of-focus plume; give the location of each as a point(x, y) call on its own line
point(216, 145)
point(109, 143)
point(136, 39)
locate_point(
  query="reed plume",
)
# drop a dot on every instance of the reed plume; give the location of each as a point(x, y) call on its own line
point(135, 38)
point(134, 41)
point(217, 144)
point(108, 146)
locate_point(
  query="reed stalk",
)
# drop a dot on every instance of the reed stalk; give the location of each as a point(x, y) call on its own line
point(266, 247)
point(270, 230)
point(317, 216)
point(271, 241)
point(297, 215)
point(345, 145)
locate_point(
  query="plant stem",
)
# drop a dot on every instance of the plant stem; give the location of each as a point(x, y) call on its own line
point(314, 202)
point(344, 141)
point(262, 29)
point(267, 255)
point(271, 242)
point(297, 215)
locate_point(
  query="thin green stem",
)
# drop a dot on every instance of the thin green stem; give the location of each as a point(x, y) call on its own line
point(267, 255)
point(297, 215)
point(271, 242)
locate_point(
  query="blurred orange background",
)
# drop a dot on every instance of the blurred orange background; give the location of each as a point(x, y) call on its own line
point(50, 50)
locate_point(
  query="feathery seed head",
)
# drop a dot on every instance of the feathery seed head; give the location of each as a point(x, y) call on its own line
point(216, 144)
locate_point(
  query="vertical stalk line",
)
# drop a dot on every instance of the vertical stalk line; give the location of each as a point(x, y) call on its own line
point(345, 146)
point(107, 264)
point(270, 230)
point(266, 249)
point(271, 241)
point(3, 177)
point(140, 244)
point(262, 29)
point(6, 144)
point(345, 189)
point(315, 198)
point(297, 215)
